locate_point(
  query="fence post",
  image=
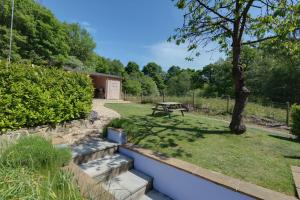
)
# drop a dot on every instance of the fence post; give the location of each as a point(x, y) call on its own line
point(163, 95)
point(287, 113)
point(193, 99)
point(228, 100)
point(141, 97)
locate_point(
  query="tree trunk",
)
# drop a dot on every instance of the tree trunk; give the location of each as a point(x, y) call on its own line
point(241, 93)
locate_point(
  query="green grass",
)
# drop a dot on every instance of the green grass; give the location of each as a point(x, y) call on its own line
point(256, 156)
point(30, 168)
point(218, 106)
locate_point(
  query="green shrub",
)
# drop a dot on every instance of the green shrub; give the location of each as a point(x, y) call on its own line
point(34, 152)
point(128, 125)
point(31, 96)
point(296, 120)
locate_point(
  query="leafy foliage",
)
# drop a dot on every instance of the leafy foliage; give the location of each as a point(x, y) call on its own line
point(132, 67)
point(155, 71)
point(149, 87)
point(38, 35)
point(296, 120)
point(180, 84)
point(80, 42)
point(33, 96)
point(132, 86)
point(126, 124)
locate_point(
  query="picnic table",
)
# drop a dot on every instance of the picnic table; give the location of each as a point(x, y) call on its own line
point(168, 108)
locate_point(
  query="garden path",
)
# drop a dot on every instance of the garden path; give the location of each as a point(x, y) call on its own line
point(85, 132)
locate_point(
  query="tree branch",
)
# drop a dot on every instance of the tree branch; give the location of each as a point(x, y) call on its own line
point(244, 19)
point(215, 12)
point(260, 40)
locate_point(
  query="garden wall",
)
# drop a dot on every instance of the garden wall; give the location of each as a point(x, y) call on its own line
point(66, 133)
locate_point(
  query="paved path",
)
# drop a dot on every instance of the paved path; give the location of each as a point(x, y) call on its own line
point(98, 106)
point(92, 130)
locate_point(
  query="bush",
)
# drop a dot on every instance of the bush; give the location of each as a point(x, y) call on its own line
point(31, 96)
point(295, 120)
point(34, 152)
point(127, 125)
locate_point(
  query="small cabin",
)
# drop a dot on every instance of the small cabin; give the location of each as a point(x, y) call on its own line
point(107, 86)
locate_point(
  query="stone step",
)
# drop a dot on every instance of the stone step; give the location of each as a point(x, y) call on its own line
point(92, 149)
point(107, 167)
point(155, 195)
point(131, 185)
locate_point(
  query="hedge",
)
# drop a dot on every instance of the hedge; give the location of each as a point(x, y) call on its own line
point(296, 120)
point(31, 96)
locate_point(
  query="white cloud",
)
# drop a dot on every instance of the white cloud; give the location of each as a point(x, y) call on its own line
point(168, 54)
point(88, 27)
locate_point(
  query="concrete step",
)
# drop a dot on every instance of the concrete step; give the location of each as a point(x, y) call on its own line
point(131, 185)
point(155, 195)
point(106, 168)
point(92, 149)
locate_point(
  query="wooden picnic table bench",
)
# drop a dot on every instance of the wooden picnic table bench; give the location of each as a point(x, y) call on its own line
point(168, 108)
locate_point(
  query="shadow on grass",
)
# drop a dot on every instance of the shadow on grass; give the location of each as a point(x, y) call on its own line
point(164, 133)
point(287, 138)
point(293, 157)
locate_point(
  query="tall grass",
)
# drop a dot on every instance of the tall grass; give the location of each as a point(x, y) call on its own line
point(218, 106)
point(30, 168)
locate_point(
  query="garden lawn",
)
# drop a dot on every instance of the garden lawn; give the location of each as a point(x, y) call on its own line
point(256, 156)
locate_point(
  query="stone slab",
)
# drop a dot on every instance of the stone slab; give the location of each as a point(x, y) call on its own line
point(106, 166)
point(155, 195)
point(92, 146)
point(296, 177)
point(129, 185)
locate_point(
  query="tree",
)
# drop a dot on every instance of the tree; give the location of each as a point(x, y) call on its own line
point(132, 86)
point(115, 67)
point(80, 41)
point(197, 79)
point(149, 87)
point(132, 67)
point(155, 71)
point(37, 35)
point(232, 24)
point(180, 84)
point(173, 71)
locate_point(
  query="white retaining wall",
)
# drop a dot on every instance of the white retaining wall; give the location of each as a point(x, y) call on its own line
point(178, 184)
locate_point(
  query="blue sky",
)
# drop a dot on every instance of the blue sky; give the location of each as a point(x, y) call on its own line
point(132, 30)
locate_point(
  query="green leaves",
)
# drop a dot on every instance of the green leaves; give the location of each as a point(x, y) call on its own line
point(32, 96)
point(296, 120)
point(181, 4)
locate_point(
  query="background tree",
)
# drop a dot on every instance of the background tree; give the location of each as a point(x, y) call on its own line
point(180, 84)
point(115, 67)
point(38, 35)
point(155, 71)
point(132, 87)
point(218, 76)
point(173, 71)
point(231, 24)
point(149, 87)
point(132, 67)
point(80, 42)
point(197, 79)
